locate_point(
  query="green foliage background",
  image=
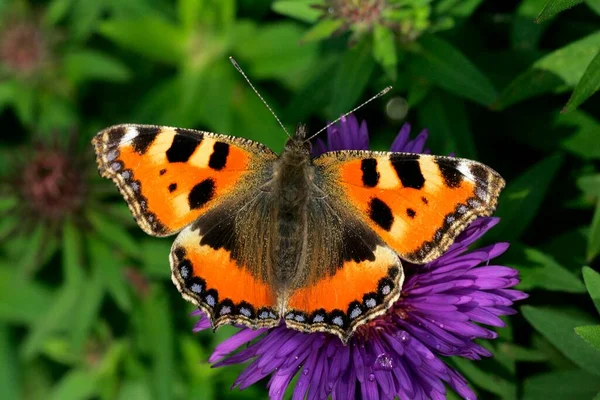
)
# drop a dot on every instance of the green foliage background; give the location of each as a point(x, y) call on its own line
point(87, 309)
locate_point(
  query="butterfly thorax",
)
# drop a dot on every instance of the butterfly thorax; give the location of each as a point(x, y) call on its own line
point(291, 190)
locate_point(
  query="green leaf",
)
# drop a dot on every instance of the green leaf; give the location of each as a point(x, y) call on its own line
point(87, 312)
point(189, 13)
point(72, 254)
point(525, 33)
point(556, 72)
point(593, 247)
point(134, 390)
point(518, 353)
point(544, 272)
point(559, 328)
point(583, 138)
point(322, 30)
point(155, 257)
point(594, 5)
point(554, 7)
point(314, 95)
point(446, 119)
point(151, 36)
point(76, 385)
point(587, 86)
point(384, 49)
point(353, 73)
point(590, 334)
point(9, 366)
point(56, 11)
point(23, 301)
point(86, 65)
point(589, 185)
point(561, 385)
point(113, 233)
point(303, 10)
point(486, 380)
point(159, 329)
point(31, 259)
point(275, 52)
point(55, 318)
point(522, 197)
point(110, 271)
point(7, 202)
point(457, 8)
point(592, 283)
point(444, 65)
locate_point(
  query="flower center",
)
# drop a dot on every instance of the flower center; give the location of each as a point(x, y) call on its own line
point(22, 47)
point(367, 12)
point(51, 185)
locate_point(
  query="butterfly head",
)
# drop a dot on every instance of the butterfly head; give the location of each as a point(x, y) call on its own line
point(298, 145)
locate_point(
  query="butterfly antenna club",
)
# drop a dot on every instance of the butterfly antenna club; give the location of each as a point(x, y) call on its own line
point(378, 95)
point(237, 66)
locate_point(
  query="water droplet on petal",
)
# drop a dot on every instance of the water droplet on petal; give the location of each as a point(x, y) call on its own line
point(404, 337)
point(305, 372)
point(371, 377)
point(384, 362)
point(442, 326)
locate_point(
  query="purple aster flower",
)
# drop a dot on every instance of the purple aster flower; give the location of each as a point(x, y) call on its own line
point(397, 354)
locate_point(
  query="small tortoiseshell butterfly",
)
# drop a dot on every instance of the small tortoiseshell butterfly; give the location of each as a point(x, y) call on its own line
point(317, 242)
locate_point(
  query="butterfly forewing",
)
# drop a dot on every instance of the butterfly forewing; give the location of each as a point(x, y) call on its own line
point(417, 204)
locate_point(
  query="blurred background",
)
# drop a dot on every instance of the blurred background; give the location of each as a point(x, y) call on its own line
point(87, 308)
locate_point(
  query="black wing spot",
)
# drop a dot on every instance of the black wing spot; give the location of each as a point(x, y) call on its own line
point(481, 173)
point(411, 213)
point(408, 170)
point(162, 172)
point(115, 135)
point(218, 158)
point(201, 194)
point(172, 187)
point(424, 200)
point(370, 176)
point(182, 147)
point(448, 169)
point(381, 214)
point(145, 137)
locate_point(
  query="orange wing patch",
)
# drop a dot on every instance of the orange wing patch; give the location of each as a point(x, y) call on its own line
point(225, 291)
point(357, 293)
point(416, 203)
point(171, 176)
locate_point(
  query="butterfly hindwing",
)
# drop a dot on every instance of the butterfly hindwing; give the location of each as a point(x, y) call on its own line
point(416, 203)
point(357, 292)
point(217, 263)
point(171, 176)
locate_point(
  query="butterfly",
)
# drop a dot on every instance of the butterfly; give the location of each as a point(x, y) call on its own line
point(315, 242)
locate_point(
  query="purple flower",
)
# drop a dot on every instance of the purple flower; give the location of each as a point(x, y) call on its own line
point(397, 354)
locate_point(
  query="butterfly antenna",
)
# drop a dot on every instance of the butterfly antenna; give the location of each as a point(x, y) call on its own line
point(237, 66)
point(384, 91)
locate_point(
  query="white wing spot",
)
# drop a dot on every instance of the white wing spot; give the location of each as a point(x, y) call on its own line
point(129, 136)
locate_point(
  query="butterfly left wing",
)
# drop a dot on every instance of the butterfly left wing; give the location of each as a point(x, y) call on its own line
point(171, 176)
point(417, 204)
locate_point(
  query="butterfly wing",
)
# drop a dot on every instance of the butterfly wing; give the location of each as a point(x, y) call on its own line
point(221, 270)
point(417, 204)
point(176, 179)
point(370, 208)
point(171, 176)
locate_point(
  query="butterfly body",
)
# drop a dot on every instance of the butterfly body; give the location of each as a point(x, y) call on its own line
point(315, 242)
